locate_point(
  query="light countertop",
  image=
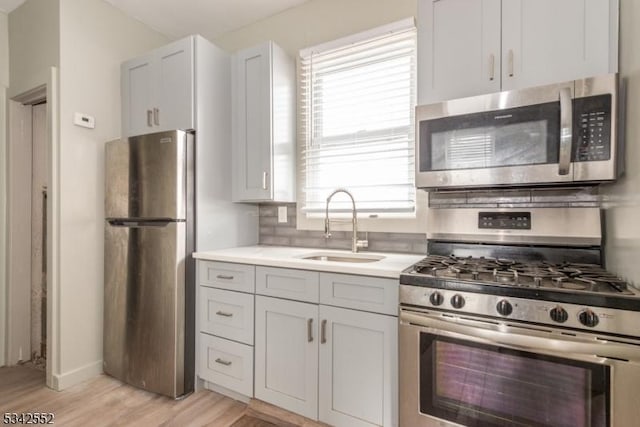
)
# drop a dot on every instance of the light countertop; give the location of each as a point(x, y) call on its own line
point(291, 257)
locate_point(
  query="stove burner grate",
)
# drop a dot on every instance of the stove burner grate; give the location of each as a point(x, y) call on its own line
point(508, 272)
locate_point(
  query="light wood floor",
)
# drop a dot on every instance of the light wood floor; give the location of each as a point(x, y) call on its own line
point(104, 401)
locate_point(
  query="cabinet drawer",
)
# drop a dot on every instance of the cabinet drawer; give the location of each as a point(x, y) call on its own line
point(360, 292)
point(234, 277)
point(226, 363)
point(227, 314)
point(300, 285)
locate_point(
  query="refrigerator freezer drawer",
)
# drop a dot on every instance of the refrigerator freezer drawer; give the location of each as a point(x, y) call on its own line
point(144, 306)
point(146, 176)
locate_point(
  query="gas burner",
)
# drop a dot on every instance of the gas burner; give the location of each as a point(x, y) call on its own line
point(574, 277)
point(505, 276)
point(574, 283)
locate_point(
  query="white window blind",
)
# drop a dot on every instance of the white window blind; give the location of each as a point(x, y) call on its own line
point(357, 122)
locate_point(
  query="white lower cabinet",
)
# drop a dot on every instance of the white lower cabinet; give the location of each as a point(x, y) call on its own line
point(226, 363)
point(330, 364)
point(224, 358)
point(325, 344)
point(286, 363)
point(358, 363)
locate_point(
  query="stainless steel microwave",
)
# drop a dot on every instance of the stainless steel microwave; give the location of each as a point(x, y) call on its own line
point(548, 135)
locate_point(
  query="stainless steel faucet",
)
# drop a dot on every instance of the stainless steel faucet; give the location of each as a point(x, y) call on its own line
point(355, 243)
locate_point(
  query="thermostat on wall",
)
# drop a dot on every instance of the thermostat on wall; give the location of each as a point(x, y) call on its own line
point(84, 120)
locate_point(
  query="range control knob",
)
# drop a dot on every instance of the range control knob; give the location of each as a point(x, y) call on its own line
point(504, 307)
point(436, 298)
point(588, 318)
point(457, 301)
point(559, 314)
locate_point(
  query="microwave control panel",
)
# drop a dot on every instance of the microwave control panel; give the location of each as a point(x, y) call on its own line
point(592, 128)
point(504, 220)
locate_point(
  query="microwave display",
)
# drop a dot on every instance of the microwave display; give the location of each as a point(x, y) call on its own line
point(591, 128)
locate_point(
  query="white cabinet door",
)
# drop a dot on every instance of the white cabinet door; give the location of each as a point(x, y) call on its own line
point(252, 132)
point(158, 90)
point(137, 96)
point(358, 368)
point(549, 41)
point(174, 87)
point(458, 48)
point(286, 355)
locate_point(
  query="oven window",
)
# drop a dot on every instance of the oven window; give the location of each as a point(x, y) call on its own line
point(481, 385)
point(514, 137)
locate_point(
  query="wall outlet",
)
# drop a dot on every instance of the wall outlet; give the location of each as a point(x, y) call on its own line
point(282, 214)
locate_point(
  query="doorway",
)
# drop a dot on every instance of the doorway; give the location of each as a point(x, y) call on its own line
point(27, 235)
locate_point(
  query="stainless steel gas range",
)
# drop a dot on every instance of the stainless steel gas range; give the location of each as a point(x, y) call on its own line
point(506, 330)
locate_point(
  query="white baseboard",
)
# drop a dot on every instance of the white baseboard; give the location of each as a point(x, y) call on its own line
point(225, 391)
point(71, 378)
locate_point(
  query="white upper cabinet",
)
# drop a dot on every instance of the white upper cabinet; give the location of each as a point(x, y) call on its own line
point(471, 47)
point(458, 48)
point(263, 129)
point(158, 90)
point(547, 41)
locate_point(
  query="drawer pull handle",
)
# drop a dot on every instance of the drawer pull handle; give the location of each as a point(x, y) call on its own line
point(309, 330)
point(224, 314)
point(323, 331)
point(223, 362)
point(224, 277)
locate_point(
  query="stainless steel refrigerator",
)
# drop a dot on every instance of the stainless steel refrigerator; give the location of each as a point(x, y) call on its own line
point(149, 322)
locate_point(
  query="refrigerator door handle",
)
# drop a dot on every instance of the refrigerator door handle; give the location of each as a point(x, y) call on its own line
point(137, 223)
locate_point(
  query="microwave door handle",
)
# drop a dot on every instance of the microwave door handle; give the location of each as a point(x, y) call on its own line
point(566, 128)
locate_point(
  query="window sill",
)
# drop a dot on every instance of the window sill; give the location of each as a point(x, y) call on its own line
point(417, 224)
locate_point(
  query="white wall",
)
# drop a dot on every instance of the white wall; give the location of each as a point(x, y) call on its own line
point(4, 83)
point(623, 198)
point(34, 44)
point(318, 21)
point(94, 39)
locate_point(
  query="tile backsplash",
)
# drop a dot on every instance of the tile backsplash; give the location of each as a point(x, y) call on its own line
point(516, 198)
point(285, 234)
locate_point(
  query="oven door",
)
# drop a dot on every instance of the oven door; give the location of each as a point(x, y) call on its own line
point(465, 372)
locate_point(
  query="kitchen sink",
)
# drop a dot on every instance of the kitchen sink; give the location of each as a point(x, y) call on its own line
point(342, 257)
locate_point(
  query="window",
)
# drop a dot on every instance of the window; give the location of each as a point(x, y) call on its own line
point(357, 122)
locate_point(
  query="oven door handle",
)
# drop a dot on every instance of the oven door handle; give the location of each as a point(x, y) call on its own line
point(526, 342)
point(566, 131)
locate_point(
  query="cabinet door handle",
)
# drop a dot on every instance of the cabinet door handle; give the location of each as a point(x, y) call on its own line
point(309, 330)
point(156, 116)
point(224, 314)
point(149, 113)
point(492, 67)
point(223, 362)
point(264, 180)
point(510, 61)
point(323, 331)
point(224, 277)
